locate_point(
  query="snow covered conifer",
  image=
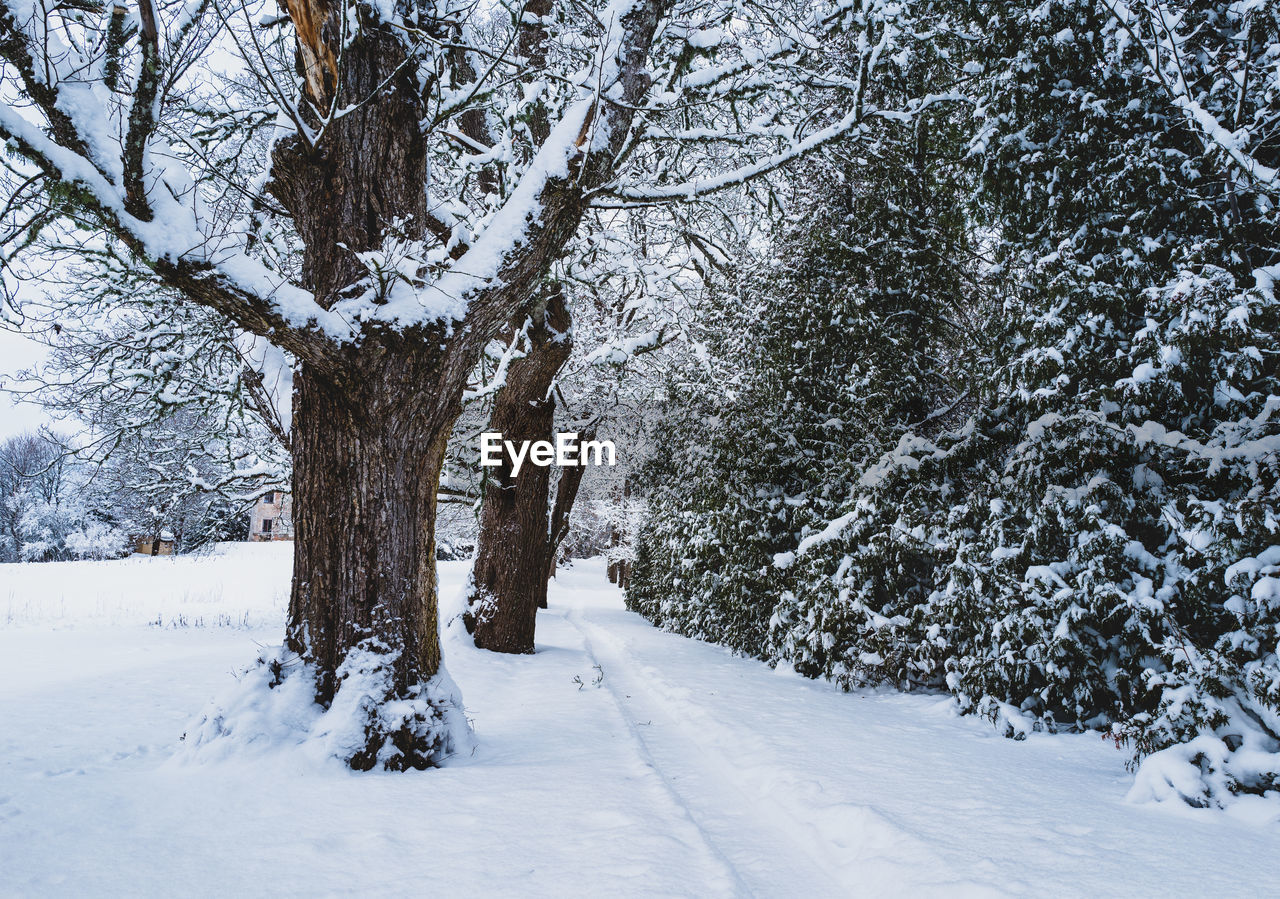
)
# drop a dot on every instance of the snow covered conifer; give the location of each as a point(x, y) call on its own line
point(843, 339)
point(1131, 368)
point(1095, 546)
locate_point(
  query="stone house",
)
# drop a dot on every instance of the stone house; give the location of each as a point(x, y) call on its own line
point(271, 517)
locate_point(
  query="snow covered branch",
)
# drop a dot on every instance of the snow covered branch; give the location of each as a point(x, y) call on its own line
point(131, 186)
point(1156, 29)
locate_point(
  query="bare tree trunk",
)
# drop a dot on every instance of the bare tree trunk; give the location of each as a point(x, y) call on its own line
point(614, 568)
point(365, 476)
point(370, 428)
point(516, 553)
point(566, 494)
point(509, 579)
point(623, 565)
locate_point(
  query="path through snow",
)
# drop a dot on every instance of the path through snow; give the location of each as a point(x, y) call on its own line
point(683, 772)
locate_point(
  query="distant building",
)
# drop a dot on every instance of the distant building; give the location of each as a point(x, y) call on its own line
point(151, 546)
point(271, 518)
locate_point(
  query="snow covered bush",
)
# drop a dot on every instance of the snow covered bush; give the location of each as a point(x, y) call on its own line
point(701, 565)
point(96, 540)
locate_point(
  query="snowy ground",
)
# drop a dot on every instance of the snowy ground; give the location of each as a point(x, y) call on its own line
point(617, 760)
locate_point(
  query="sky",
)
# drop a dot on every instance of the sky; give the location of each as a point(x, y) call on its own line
point(18, 352)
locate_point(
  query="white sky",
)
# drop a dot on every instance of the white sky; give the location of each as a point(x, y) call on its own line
point(16, 353)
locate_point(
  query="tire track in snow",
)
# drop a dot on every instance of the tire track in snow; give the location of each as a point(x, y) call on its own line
point(767, 860)
point(642, 750)
point(805, 843)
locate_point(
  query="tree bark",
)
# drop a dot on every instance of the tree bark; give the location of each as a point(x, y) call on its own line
point(369, 426)
point(566, 494)
point(366, 468)
point(509, 578)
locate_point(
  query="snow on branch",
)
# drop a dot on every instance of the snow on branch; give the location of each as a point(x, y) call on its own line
point(504, 257)
point(627, 103)
point(1163, 44)
point(70, 130)
point(746, 118)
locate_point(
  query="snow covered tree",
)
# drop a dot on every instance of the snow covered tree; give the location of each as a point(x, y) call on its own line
point(179, 427)
point(1119, 460)
point(388, 229)
point(1094, 546)
point(173, 477)
point(625, 298)
point(31, 468)
point(509, 579)
point(837, 343)
point(46, 513)
point(1133, 365)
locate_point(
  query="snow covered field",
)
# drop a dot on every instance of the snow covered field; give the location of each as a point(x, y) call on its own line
point(617, 760)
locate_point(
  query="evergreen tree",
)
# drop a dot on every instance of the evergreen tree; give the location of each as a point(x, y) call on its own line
point(1133, 360)
point(1096, 545)
point(837, 343)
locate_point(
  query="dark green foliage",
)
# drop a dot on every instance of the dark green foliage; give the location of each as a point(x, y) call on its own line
point(1065, 511)
point(835, 345)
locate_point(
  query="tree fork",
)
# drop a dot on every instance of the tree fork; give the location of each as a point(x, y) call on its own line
point(369, 431)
